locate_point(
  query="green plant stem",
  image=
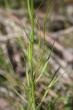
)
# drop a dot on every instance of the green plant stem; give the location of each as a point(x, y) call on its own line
point(32, 104)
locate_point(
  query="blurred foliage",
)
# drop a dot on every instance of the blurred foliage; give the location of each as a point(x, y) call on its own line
point(19, 3)
point(18, 85)
point(2, 58)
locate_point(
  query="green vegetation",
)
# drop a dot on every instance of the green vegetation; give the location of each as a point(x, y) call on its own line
point(33, 92)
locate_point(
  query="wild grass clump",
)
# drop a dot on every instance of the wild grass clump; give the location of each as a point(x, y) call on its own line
point(32, 92)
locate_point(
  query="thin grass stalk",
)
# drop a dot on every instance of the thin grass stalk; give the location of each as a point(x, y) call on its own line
point(51, 84)
point(49, 8)
point(32, 105)
point(45, 64)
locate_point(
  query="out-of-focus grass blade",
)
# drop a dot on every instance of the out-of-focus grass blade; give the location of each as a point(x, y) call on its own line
point(45, 64)
point(51, 84)
point(7, 4)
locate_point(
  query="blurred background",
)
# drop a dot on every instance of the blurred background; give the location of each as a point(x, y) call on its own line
point(53, 43)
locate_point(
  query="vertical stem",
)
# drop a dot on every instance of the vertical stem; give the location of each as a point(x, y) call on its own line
point(31, 45)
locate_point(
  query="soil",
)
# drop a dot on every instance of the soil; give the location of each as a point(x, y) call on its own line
point(4, 105)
